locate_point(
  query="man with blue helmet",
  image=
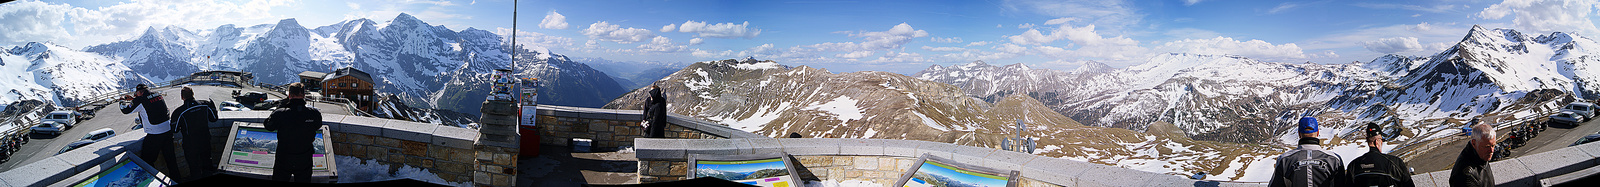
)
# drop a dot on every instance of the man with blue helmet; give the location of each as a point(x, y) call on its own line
point(1308, 164)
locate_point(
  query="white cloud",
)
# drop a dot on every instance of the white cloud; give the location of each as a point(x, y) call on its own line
point(1433, 9)
point(669, 28)
point(720, 30)
point(711, 54)
point(1026, 25)
point(1423, 32)
point(947, 40)
point(1224, 45)
point(899, 57)
point(884, 40)
point(1393, 45)
point(353, 5)
point(534, 40)
point(1085, 35)
point(1186, 33)
point(614, 33)
point(1546, 15)
point(660, 44)
point(1286, 6)
point(857, 54)
point(1190, 2)
point(1113, 15)
point(33, 21)
point(943, 49)
point(978, 43)
point(696, 41)
point(553, 20)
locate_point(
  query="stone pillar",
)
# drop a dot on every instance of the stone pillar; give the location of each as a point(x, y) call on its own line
point(498, 146)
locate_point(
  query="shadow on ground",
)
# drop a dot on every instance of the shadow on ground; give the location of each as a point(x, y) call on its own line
point(559, 166)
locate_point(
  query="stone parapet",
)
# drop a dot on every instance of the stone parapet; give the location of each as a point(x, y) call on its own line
point(880, 160)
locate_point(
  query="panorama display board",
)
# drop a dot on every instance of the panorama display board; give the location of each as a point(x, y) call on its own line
point(766, 170)
point(251, 151)
point(931, 170)
point(129, 171)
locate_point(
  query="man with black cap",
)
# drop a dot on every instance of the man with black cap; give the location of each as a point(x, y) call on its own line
point(1308, 164)
point(1376, 168)
point(152, 111)
point(297, 127)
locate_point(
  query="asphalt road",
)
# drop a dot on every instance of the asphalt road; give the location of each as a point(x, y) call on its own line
point(1555, 137)
point(44, 146)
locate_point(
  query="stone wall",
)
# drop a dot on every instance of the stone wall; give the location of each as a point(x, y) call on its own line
point(612, 129)
point(446, 151)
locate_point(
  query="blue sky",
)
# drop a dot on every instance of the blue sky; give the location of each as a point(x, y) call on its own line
point(847, 36)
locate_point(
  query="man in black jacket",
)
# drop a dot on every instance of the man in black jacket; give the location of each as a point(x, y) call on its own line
point(193, 119)
point(1308, 164)
point(655, 113)
point(152, 111)
point(1472, 167)
point(1376, 168)
point(297, 127)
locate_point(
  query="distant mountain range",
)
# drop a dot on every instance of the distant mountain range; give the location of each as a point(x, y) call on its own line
point(426, 65)
point(1237, 99)
point(770, 99)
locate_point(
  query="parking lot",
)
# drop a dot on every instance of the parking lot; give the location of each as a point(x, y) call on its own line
point(43, 146)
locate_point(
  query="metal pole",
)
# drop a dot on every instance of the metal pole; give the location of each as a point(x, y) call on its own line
point(513, 36)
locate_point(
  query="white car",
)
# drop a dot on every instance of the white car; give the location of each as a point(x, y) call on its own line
point(101, 134)
point(233, 106)
point(1581, 108)
point(65, 117)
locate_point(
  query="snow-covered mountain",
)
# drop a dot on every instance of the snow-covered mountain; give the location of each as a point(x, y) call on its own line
point(1491, 74)
point(1237, 99)
point(406, 56)
point(65, 77)
point(767, 98)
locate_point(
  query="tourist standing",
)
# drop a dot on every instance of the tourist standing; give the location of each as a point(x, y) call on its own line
point(152, 111)
point(1376, 168)
point(194, 119)
point(655, 114)
point(296, 126)
point(1472, 166)
point(1308, 164)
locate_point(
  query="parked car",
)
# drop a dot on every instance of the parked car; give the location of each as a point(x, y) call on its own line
point(65, 117)
point(74, 145)
point(1586, 139)
point(251, 98)
point(1567, 117)
point(101, 134)
point(233, 106)
point(49, 127)
point(1582, 108)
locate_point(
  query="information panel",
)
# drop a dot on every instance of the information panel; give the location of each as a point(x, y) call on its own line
point(251, 151)
point(762, 170)
point(935, 171)
point(255, 147)
point(129, 171)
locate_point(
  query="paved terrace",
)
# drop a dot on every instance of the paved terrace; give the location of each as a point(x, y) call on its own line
point(880, 160)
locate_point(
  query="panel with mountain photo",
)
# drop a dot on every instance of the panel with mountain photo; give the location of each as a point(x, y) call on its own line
point(764, 172)
point(936, 174)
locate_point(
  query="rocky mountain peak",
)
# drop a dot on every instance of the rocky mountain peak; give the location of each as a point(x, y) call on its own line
point(1093, 67)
